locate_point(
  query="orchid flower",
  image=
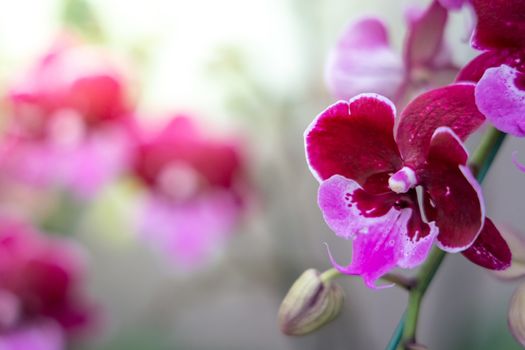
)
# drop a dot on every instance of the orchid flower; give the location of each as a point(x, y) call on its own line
point(40, 300)
point(69, 120)
point(370, 164)
point(363, 60)
point(500, 70)
point(196, 192)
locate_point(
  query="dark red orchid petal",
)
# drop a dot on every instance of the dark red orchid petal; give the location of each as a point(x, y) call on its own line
point(475, 69)
point(490, 249)
point(501, 24)
point(425, 34)
point(452, 106)
point(353, 139)
point(456, 196)
point(417, 227)
point(378, 183)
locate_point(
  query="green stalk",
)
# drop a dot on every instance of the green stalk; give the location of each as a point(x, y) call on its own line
point(484, 155)
point(423, 279)
point(480, 163)
point(398, 333)
point(396, 279)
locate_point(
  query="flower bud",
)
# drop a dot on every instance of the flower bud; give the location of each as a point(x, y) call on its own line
point(310, 303)
point(516, 243)
point(516, 315)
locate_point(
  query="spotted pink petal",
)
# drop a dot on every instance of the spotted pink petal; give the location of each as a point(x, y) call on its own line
point(452, 106)
point(425, 34)
point(380, 242)
point(501, 24)
point(475, 69)
point(490, 249)
point(459, 211)
point(353, 139)
point(452, 4)
point(363, 61)
point(500, 96)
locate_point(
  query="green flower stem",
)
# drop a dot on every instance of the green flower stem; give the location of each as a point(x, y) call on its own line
point(330, 274)
point(484, 155)
point(423, 279)
point(398, 280)
point(398, 333)
point(480, 163)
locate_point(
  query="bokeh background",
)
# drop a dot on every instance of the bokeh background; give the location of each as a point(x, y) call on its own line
point(254, 70)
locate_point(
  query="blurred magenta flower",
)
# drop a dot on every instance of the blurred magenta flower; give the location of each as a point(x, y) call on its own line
point(41, 303)
point(500, 69)
point(363, 60)
point(197, 190)
point(369, 171)
point(70, 118)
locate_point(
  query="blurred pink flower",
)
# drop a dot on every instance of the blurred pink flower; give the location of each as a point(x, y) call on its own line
point(363, 60)
point(41, 305)
point(70, 120)
point(196, 190)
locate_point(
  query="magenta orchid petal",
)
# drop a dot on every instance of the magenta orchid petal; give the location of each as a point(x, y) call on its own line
point(490, 249)
point(500, 96)
point(452, 106)
point(353, 139)
point(475, 69)
point(459, 208)
point(379, 231)
point(363, 61)
point(425, 34)
point(501, 24)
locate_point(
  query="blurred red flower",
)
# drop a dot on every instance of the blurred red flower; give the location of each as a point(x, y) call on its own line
point(197, 189)
point(41, 303)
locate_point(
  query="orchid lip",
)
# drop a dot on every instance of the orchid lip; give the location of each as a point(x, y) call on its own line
point(403, 180)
